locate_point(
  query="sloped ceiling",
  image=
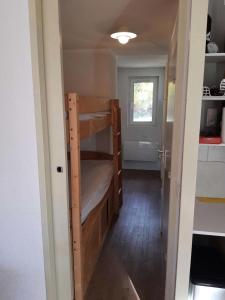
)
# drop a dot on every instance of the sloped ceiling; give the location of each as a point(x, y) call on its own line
point(87, 24)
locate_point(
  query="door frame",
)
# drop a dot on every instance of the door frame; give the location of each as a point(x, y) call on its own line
point(49, 106)
point(46, 61)
point(192, 17)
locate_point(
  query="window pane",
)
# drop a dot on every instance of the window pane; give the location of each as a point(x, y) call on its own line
point(143, 101)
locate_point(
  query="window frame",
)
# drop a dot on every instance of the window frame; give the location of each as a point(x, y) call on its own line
point(138, 79)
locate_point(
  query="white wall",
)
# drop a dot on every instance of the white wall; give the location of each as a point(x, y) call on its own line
point(151, 133)
point(21, 251)
point(94, 73)
point(90, 72)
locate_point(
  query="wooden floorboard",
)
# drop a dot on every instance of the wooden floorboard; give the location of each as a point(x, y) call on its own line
point(131, 265)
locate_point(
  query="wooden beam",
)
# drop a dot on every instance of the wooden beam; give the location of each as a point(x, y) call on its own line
point(116, 131)
point(92, 155)
point(67, 119)
point(74, 132)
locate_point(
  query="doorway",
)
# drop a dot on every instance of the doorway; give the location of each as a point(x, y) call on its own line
point(141, 92)
point(95, 65)
point(91, 56)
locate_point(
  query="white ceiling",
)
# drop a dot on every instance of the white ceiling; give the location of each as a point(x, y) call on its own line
point(87, 24)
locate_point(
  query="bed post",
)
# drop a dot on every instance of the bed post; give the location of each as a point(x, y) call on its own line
point(116, 132)
point(74, 141)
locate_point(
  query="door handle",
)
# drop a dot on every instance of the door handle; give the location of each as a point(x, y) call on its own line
point(160, 153)
point(163, 153)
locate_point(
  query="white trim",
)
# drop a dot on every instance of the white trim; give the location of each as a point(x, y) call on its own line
point(58, 151)
point(42, 148)
point(48, 89)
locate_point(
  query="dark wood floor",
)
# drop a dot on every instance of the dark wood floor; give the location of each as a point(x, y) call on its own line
point(131, 264)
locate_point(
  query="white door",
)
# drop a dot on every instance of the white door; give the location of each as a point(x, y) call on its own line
point(182, 108)
point(167, 135)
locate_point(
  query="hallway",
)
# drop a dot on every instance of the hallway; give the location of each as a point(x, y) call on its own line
point(131, 265)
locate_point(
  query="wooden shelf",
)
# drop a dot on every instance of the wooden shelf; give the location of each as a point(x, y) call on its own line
point(215, 57)
point(213, 98)
point(209, 217)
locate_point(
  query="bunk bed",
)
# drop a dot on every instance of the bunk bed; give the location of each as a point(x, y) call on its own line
point(95, 181)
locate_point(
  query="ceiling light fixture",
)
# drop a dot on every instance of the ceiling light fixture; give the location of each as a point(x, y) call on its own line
point(123, 37)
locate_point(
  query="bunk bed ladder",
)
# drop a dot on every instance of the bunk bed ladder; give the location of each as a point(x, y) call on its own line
point(72, 105)
point(117, 154)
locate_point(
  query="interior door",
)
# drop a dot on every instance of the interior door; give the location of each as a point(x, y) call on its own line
point(182, 111)
point(172, 149)
point(168, 120)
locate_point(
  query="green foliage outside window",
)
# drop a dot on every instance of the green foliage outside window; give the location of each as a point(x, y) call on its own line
point(143, 101)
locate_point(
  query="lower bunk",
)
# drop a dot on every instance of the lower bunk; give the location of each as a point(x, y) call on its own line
point(97, 210)
point(94, 231)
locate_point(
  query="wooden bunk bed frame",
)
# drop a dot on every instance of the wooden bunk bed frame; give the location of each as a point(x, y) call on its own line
point(88, 238)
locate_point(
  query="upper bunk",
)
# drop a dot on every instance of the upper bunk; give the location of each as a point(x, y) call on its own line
point(92, 114)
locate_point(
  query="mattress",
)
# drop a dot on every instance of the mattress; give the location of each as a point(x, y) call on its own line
point(96, 176)
point(91, 116)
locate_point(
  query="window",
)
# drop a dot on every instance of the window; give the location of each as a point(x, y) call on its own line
point(143, 96)
point(143, 102)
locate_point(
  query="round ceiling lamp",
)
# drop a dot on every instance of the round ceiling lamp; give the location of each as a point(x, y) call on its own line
point(123, 36)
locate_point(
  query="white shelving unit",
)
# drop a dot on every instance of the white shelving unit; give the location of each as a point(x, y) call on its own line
point(209, 218)
point(215, 57)
point(209, 213)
